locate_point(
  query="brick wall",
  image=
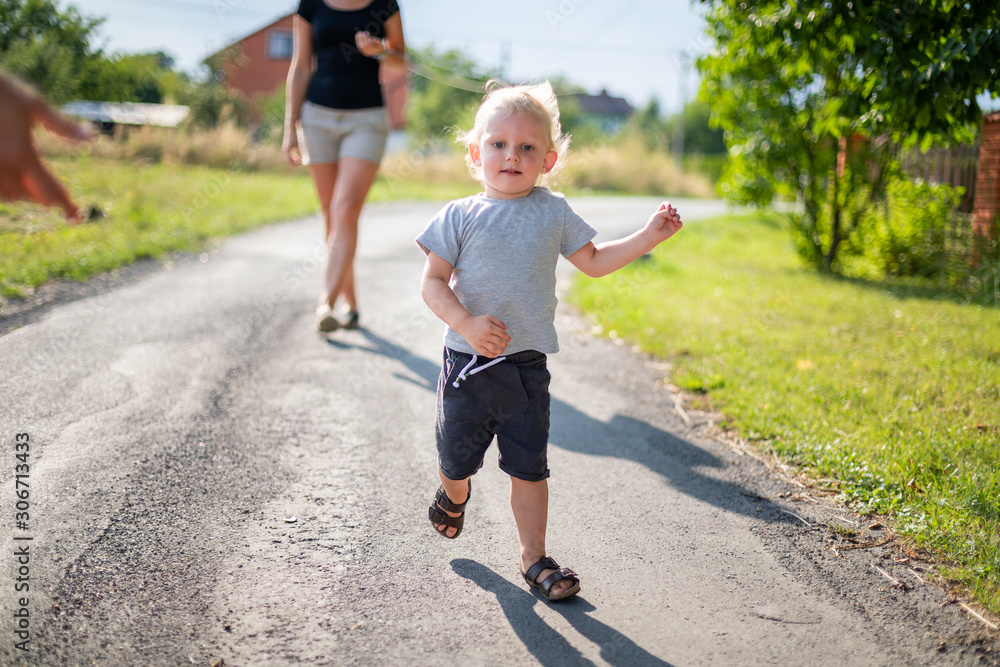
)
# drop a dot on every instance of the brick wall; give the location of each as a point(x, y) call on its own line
point(254, 71)
point(987, 204)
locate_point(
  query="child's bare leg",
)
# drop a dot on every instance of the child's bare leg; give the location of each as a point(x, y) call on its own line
point(530, 503)
point(458, 493)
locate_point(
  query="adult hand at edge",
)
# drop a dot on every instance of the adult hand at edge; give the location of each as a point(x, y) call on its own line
point(23, 175)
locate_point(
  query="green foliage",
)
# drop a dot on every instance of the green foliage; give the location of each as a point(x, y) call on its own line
point(700, 137)
point(53, 50)
point(918, 233)
point(658, 133)
point(271, 124)
point(711, 166)
point(925, 63)
point(585, 131)
point(648, 124)
point(890, 388)
point(911, 234)
point(46, 47)
point(793, 85)
point(145, 77)
point(211, 104)
point(437, 102)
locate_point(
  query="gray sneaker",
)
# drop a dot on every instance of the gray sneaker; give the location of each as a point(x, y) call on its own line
point(326, 320)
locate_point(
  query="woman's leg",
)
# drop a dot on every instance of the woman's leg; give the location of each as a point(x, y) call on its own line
point(325, 177)
point(350, 190)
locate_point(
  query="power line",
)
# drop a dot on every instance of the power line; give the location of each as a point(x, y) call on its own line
point(453, 81)
point(446, 79)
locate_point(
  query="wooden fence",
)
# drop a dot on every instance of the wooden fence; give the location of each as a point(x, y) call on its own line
point(976, 168)
point(957, 167)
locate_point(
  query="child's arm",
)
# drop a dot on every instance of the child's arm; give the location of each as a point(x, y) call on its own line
point(597, 261)
point(486, 334)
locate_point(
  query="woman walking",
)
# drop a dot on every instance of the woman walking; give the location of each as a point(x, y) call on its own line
point(335, 123)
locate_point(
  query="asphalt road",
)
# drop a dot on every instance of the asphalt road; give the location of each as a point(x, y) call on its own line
point(212, 480)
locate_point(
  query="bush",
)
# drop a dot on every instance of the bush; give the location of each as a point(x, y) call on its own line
point(913, 234)
point(919, 233)
point(213, 104)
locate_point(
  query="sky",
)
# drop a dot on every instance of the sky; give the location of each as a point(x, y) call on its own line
point(636, 49)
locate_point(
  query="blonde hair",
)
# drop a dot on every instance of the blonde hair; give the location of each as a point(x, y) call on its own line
point(502, 101)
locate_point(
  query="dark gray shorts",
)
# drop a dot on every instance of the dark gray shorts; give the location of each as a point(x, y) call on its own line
point(509, 400)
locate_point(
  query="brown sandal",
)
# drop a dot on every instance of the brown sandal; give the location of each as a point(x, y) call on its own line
point(545, 587)
point(442, 504)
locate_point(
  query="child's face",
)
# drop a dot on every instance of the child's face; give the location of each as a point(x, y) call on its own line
point(513, 153)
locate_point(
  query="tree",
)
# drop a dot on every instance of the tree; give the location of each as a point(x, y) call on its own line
point(649, 125)
point(212, 103)
point(446, 91)
point(49, 48)
point(700, 137)
point(53, 50)
point(143, 77)
point(812, 96)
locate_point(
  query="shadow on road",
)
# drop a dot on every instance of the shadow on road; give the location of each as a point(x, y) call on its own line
point(425, 370)
point(544, 642)
point(678, 461)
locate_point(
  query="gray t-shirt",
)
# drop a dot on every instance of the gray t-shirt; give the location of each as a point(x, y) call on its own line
point(504, 254)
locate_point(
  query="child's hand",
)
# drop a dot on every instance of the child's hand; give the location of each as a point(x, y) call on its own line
point(664, 223)
point(486, 334)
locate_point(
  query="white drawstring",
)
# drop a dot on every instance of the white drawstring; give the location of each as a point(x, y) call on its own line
point(462, 375)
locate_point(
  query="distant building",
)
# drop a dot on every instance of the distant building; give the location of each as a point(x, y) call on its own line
point(607, 112)
point(257, 65)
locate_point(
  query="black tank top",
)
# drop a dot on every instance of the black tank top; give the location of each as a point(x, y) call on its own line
point(345, 78)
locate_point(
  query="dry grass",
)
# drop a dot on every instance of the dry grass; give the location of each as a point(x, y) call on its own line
point(624, 166)
point(436, 168)
point(224, 147)
point(629, 167)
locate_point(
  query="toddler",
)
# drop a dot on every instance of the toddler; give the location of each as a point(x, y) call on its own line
point(490, 276)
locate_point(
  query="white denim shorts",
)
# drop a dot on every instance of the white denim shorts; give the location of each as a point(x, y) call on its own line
point(326, 135)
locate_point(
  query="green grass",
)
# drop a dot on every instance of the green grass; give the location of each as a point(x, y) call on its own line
point(890, 388)
point(153, 209)
point(891, 391)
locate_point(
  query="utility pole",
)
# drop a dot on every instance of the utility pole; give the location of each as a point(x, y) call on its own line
point(505, 60)
point(677, 145)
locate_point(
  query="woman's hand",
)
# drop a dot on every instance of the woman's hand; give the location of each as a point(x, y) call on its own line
point(290, 146)
point(369, 45)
